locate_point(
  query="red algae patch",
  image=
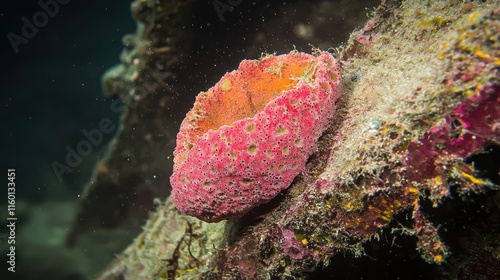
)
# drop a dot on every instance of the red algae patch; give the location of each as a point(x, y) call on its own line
point(246, 138)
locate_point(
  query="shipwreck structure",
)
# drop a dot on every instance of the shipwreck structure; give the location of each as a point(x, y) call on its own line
point(406, 175)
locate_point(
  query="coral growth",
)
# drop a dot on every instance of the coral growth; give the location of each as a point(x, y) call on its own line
point(247, 138)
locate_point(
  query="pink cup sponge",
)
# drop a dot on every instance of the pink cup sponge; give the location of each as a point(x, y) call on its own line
point(250, 135)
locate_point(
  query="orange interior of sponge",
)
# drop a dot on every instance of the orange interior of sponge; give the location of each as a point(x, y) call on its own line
point(246, 92)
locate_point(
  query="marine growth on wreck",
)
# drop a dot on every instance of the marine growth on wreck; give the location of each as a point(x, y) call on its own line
point(375, 155)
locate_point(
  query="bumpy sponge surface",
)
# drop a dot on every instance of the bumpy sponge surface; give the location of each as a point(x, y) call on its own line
point(246, 138)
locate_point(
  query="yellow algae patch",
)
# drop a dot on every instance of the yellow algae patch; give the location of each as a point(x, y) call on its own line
point(473, 179)
point(226, 84)
point(413, 190)
point(438, 258)
point(472, 17)
point(482, 55)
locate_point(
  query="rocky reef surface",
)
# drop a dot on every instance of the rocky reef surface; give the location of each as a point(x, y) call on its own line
point(406, 173)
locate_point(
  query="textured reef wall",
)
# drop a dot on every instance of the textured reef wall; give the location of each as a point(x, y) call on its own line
point(412, 151)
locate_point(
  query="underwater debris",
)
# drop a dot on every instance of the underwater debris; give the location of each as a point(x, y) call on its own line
point(250, 135)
